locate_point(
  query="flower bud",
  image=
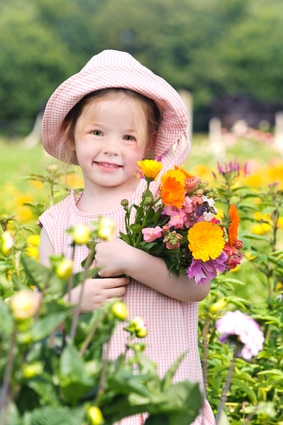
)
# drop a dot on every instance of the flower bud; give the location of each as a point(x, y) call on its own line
point(218, 306)
point(81, 234)
point(95, 415)
point(119, 310)
point(7, 242)
point(64, 269)
point(32, 370)
point(106, 229)
point(25, 304)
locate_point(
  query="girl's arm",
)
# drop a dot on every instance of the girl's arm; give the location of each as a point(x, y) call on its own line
point(117, 257)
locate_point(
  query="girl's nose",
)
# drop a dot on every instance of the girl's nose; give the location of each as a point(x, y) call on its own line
point(110, 145)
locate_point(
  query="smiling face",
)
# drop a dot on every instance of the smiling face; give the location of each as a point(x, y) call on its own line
point(110, 135)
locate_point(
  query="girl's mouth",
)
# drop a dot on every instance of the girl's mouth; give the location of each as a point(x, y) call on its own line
point(108, 165)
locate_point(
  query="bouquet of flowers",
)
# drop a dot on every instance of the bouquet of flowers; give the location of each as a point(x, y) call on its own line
point(179, 224)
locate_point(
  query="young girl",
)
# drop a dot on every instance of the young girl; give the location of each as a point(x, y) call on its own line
point(105, 118)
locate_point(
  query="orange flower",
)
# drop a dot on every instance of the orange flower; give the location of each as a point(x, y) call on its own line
point(206, 241)
point(173, 188)
point(234, 225)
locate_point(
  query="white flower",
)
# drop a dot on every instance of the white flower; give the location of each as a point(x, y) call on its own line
point(240, 329)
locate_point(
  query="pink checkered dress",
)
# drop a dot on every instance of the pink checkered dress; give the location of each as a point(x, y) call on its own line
point(172, 324)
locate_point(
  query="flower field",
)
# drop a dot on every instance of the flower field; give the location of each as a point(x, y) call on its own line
point(241, 388)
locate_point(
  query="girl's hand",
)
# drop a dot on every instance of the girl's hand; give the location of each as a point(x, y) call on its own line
point(113, 257)
point(97, 291)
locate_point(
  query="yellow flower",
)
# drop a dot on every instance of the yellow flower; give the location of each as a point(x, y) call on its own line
point(206, 241)
point(33, 240)
point(106, 229)
point(173, 188)
point(280, 223)
point(32, 251)
point(150, 168)
point(95, 415)
point(24, 213)
point(261, 228)
point(81, 234)
point(25, 304)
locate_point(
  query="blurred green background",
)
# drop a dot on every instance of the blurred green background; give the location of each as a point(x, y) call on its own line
point(208, 47)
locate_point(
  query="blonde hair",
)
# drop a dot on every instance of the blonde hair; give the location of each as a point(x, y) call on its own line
point(145, 111)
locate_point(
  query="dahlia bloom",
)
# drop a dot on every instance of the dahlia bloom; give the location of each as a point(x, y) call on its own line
point(241, 330)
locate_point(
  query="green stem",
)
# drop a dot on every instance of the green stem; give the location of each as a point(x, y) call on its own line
point(226, 389)
point(7, 376)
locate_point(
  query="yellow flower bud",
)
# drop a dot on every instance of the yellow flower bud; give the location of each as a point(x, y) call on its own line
point(95, 415)
point(140, 328)
point(81, 234)
point(119, 310)
point(218, 306)
point(25, 304)
point(138, 323)
point(106, 229)
point(7, 242)
point(142, 333)
point(64, 269)
point(32, 370)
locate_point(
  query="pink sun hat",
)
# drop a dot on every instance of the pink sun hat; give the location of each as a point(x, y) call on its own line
point(116, 69)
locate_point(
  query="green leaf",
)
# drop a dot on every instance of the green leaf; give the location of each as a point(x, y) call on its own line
point(74, 379)
point(7, 325)
point(55, 416)
point(43, 327)
point(246, 389)
point(167, 380)
point(36, 272)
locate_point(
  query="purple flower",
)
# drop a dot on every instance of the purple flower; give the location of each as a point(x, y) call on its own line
point(241, 330)
point(203, 272)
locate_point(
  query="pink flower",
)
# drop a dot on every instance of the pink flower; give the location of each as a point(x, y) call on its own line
point(203, 272)
point(191, 183)
point(150, 234)
point(241, 330)
point(177, 217)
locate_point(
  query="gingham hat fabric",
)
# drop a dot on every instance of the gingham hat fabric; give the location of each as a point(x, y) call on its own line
point(110, 69)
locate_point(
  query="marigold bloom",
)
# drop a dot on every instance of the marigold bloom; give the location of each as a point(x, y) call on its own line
point(173, 188)
point(234, 224)
point(206, 241)
point(150, 168)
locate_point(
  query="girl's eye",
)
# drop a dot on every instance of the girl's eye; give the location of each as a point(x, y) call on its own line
point(96, 133)
point(130, 138)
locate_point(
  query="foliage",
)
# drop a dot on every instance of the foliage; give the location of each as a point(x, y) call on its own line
point(52, 367)
point(51, 40)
